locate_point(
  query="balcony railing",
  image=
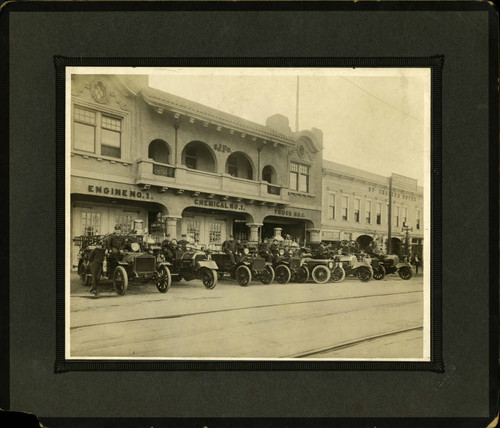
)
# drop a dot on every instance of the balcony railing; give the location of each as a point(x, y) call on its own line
point(181, 177)
point(165, 171)
point(273, 189)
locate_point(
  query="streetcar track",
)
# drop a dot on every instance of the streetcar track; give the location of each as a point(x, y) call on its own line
point(189, 314)
point(353, 343)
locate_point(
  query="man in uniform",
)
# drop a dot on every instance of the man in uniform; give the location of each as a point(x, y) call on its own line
point(96, 258)
point(229, 247)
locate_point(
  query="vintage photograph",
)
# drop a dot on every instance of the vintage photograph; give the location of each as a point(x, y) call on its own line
point(248, 213)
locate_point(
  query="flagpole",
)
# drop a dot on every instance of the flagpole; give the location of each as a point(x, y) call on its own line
point(297, 108)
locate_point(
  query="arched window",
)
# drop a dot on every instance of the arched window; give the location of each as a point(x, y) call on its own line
point(158, 151)
point(268, 174)
point(238, 165)
point(197, 155)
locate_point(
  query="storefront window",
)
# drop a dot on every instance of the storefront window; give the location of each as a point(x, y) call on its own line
point(215, 233)
point(125, 221)
point(331, 206)
point(193, 229)
point(91, 223)
point(97, 133)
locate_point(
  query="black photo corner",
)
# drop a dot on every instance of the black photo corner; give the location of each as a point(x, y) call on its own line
point(249, 213)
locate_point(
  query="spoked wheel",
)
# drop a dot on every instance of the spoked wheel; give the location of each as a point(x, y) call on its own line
point(164, 279)
point(283, 274)
point(267, 275)
point(302, 274)
point(209, 278)
point(243, 275)
point(364, 274)
point(379, 273)
point(120, 280)
point(405, 273)
point(337, 274)
point(320, 274)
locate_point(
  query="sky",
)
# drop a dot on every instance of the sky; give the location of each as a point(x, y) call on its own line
point(373, 119)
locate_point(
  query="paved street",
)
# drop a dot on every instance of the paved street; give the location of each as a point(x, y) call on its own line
point(351, 319)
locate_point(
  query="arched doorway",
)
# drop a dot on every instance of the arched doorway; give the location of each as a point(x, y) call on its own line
point(397, 247)
point(159, 151)
point(364, 242)
point(239, 165)
point(197, 155)
point(269, 174)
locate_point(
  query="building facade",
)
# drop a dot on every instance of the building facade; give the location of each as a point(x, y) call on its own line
point(356, 207)
point(138, 153)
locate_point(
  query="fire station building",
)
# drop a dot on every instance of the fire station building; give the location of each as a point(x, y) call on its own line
point(185, 168)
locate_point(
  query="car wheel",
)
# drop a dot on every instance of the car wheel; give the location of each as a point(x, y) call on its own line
point(267, 275)
point(164, 279)
point(320, 274)
point(337, 274)
point(120, 280)
point(283, 274)
point(209, 278)
point(364, 274)
point(379, 273)
point(405, 273)
point(302, 274)
point(243, 275)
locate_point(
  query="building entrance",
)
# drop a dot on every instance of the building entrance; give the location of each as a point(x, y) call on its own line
point(295, 228)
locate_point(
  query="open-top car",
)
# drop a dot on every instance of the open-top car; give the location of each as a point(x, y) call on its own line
point(190, 263)
point(247, 266)
point(132, 264)
point(392, 264)
point(352, 266)
point(290, 267)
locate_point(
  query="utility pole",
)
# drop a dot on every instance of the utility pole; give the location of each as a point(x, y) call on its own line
point(407, 230)
point(389, 214)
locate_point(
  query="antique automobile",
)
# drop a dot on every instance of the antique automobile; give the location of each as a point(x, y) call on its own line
point(191, 263)
point(377, 266)
point(391, 264)
point(290, 267)
point(355, 267)
point(133, 264)
point(248, 266)
point(319, 266)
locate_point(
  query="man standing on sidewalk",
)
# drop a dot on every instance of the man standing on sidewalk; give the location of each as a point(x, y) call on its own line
point(96, 259)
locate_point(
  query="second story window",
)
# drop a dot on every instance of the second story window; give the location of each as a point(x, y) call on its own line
point(331, 206)
point(357, 203)
point(417, 220)
point(379, 213)
point(396, 216)
point(299, 177)
point(405, 216)
point(191, 157)
point(345, 209)
point(368, 211)
point(96, 132)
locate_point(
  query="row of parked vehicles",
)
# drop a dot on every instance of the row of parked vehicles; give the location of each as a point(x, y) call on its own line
point(143, 262)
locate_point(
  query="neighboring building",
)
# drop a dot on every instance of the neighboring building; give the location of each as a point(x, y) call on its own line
point(355, 207)
point(185, 168)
